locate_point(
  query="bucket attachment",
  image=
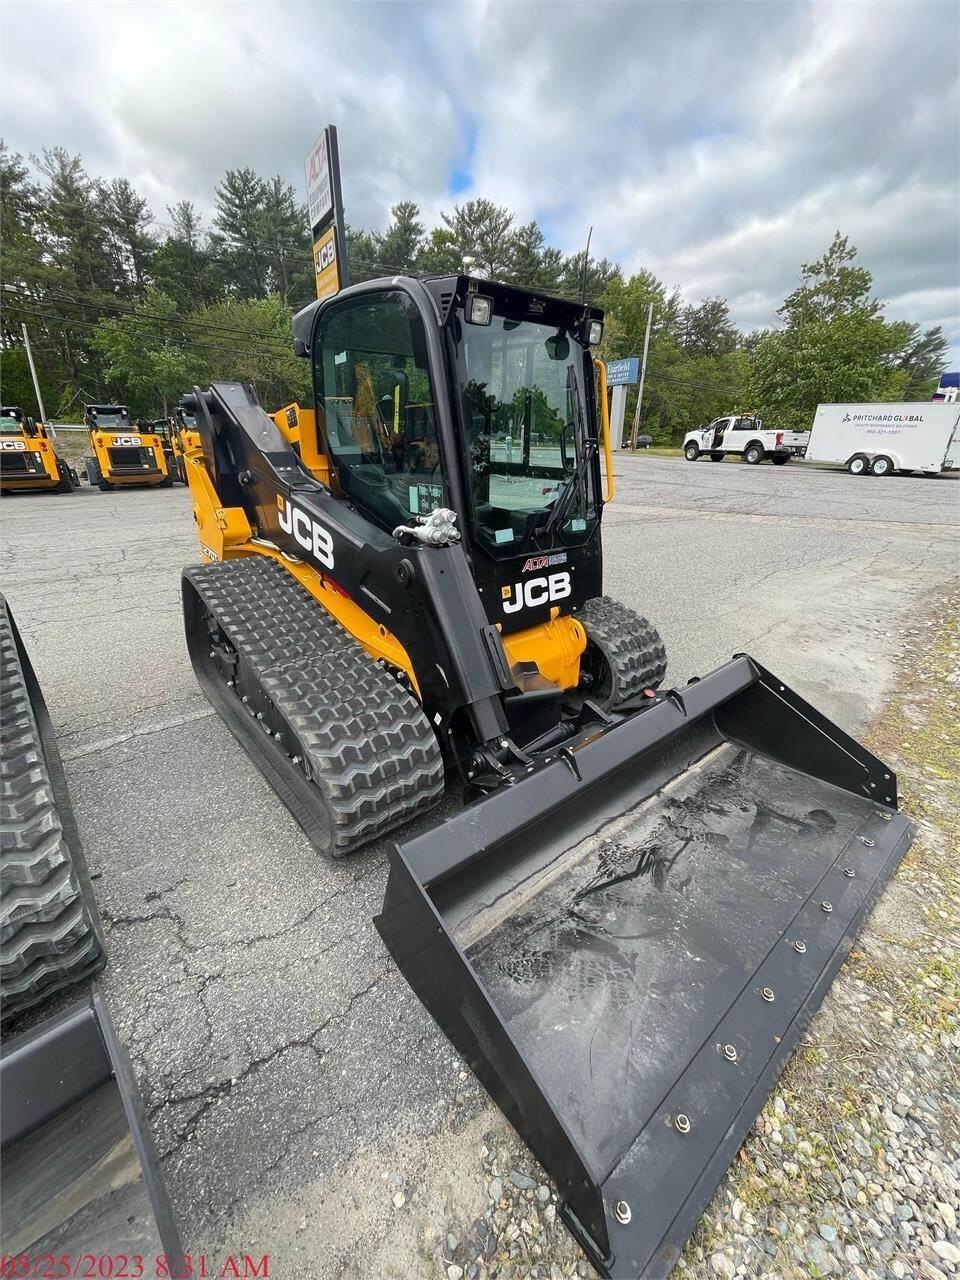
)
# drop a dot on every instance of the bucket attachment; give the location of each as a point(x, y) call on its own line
point(627, 944)
point(80, 1176)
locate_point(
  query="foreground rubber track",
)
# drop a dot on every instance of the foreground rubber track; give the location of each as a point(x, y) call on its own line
point(347, 748)
point(50, 935)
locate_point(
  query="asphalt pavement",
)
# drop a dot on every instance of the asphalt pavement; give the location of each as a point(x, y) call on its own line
point(304, 1103)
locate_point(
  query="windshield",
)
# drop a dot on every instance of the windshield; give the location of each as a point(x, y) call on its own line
point(530, 447)
point(10, 426)
point(106, 419)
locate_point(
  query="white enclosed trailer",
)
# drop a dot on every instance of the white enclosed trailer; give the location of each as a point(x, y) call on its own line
point(878, 439)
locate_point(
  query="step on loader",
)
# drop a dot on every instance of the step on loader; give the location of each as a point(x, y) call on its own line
point(29, 460)
point(124, 455)
point(78, 1171)
point(626, 929)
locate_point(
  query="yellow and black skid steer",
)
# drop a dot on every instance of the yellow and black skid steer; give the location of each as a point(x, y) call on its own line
point(28, 457)
point(79, 1175)
point(123, 455)
point(628, 925)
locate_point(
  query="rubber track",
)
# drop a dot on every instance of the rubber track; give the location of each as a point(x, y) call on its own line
point(49, 936)
point(364, 741)
point(631, 645)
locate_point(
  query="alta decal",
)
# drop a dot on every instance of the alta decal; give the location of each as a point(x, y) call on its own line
point(544, 562)
point(312, 537)
point(535, 592)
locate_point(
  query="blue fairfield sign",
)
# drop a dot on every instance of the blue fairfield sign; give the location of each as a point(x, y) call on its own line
point(623, 373)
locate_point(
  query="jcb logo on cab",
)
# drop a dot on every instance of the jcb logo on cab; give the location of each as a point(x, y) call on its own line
point(536, 591)
point(13, 444)
point(312, 537)
point(126, 440)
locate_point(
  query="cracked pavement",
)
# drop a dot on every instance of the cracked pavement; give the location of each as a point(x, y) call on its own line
point(302, 1100)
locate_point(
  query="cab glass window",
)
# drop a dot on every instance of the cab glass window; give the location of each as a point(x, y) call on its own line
point(377, 407)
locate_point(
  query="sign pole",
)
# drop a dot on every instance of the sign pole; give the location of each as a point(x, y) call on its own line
point(643, 374)
point(618, 412)
point(338, 221)
point(36, 382)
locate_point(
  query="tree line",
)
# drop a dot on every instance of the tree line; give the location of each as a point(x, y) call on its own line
point(122, 306)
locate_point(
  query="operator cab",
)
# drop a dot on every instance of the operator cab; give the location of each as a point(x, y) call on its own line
point(496, 420)
point(14, 422)
point(106, 417)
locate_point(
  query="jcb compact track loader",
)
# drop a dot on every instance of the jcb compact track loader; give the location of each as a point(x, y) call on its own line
point(78, 1172)
point(28, 458)
point(123, 455)
point(628, 926)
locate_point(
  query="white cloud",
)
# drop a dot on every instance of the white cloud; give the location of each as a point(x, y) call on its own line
point(720, 145)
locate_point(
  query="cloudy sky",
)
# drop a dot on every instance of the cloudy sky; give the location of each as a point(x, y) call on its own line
point(719, 144)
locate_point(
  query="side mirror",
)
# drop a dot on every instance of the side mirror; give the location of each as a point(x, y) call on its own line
point(300, 347)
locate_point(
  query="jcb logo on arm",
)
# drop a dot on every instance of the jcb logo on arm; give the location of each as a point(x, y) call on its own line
point(312, 537)
point(536, 591)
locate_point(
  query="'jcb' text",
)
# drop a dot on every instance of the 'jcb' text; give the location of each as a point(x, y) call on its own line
point(312, 537)
point(536, 591)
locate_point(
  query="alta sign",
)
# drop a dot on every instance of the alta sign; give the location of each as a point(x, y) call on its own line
point(319, 187)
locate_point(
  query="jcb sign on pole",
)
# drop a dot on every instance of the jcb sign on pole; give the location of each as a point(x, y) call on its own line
point(325, 212)
point(326, 263)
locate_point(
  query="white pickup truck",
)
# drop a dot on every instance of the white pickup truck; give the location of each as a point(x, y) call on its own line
point(744, 435)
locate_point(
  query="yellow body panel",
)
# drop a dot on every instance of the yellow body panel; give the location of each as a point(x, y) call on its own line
point(555, 646)
point(49, 478)
point(102, 440)
point(299, 425)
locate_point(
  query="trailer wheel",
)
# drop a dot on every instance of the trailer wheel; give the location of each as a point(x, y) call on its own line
point(691, 452)
point(859, 465)
point(717, 457)
point(753, 453)
point(881, 466)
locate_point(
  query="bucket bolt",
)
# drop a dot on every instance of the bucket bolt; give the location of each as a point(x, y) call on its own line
point(867, 841)
point(800, 947)
point(826, 907)
point(681, 1122)
point(729, 1051)
point(621, 1211)
point(849, 872)
point(767, 994)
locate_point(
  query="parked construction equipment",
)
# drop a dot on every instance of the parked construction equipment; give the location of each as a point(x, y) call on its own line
point(628, 926)
point(28, 457)
point(78, 1170)
point(123, 455)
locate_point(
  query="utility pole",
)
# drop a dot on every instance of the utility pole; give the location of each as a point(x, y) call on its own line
point(36, 382)
point(643, 374)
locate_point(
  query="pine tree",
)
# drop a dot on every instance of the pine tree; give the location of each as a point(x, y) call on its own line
point(399, 246)
point(243, 260)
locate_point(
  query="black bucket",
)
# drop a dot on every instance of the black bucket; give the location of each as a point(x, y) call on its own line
point(80, 1176)
point(627, 944)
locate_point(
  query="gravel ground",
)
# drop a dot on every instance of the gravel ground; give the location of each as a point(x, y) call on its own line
point(303, 1101)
